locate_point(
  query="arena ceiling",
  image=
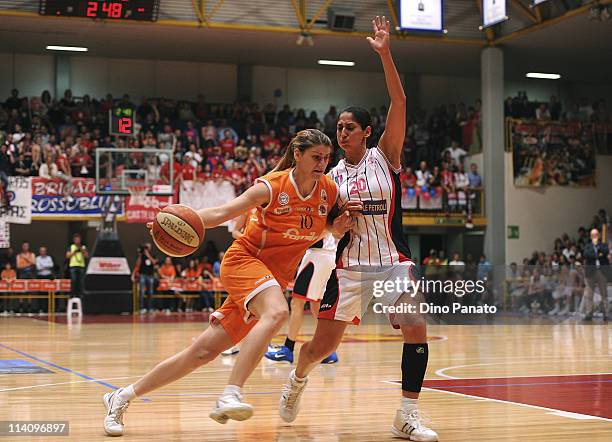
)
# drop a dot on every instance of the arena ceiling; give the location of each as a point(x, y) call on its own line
point(265, 32)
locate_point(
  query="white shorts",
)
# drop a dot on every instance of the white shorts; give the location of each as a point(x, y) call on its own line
point(313, 274)
point(349, 292)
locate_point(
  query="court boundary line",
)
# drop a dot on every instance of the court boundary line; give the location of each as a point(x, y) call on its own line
point(551, 411)
point(440, 372)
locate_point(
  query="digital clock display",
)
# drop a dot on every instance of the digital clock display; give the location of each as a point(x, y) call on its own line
point(145, 10)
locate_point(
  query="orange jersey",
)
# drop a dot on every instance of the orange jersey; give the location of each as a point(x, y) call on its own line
point(280, 233)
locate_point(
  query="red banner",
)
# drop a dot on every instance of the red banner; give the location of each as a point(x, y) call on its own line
point(142, 208)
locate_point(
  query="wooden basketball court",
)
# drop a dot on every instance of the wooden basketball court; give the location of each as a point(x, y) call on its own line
point(502, 383)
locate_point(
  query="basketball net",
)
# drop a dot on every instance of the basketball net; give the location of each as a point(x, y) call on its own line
point(138, 196)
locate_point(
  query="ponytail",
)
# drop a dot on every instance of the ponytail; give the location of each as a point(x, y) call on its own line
point(287, 161)
point(303, 140)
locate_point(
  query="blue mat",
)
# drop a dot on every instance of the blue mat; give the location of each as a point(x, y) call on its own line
point(20, 366)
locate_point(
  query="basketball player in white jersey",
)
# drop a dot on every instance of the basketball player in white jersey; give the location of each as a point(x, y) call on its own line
point(373, 251)
point(315, 269)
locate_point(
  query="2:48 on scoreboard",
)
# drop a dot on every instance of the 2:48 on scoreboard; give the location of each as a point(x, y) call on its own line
point(145, 10)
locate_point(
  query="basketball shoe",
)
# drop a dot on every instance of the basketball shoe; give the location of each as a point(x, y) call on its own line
point(230, 406)
point(290, 397)
point(283, 354)
point(115, 407)
point(331, 359)
point(409, 425)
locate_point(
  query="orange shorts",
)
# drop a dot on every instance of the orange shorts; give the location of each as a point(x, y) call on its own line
point(243, 277)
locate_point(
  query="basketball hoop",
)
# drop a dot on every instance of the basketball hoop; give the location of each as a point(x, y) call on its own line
point(138, 195)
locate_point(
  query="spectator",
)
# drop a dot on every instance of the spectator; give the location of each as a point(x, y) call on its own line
point(166, 139)
point(457, 154)
point(474, 177)
point(456, 267)
point(555, 108)
point(22, 167)
point(187, 172)
point(226, 131)
point(423, 175)
point(167, 270)
point(462, 183)
point(216, 269)
point(484, 269)
point(8, 257)
point(26, 262)
point(44, 264)
point(597, 265)
point(8, 273)
point(77, 255)
point(191, 273)
point(6, 165)
point(13, 102)
point(542, 112)
point(227, 143)
point(144, 272)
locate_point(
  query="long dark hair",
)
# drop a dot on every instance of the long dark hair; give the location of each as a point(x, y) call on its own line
point(303, 140)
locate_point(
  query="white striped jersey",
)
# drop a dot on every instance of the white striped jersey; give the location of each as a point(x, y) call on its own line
point(377, 238)
point(328, 243)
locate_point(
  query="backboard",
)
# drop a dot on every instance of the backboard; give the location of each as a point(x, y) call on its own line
point(119, 169)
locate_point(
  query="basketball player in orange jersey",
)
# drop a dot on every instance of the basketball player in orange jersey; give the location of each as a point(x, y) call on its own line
point(293, 203)
point(373, 253)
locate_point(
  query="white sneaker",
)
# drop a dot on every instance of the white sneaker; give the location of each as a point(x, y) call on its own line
point(113, 422)
point(231, 351)
point(409, 425)
point(230, 406)
point(290, 398)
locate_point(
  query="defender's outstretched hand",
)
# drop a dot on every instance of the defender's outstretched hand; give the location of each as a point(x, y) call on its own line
point(382, 28)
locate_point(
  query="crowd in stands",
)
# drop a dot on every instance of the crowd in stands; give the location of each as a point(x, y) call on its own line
point(51, 138)
point(553, 145)
point(568, 279)
point(583, 111)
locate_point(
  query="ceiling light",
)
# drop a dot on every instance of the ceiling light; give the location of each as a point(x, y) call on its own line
point(543, 76)
point(336, 63)
point(67, 48)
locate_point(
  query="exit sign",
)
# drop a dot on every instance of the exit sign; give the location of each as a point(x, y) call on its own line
point(513, 232)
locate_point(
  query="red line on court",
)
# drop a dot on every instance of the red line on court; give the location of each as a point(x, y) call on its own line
point(583, 394)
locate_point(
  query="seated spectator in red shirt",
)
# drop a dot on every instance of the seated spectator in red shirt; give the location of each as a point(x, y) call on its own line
point(236, 176)
point(164, 172)
point(81, 164)
point(219, 172)
point(204, 172)
point(271, 143)
point(408, 178)
point(187, 171)
point(227, 143)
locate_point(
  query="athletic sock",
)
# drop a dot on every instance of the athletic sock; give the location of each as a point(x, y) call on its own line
point(127, 394)
point(289, 344)
point(409, 404)
point(232, 389)
point(295, 378)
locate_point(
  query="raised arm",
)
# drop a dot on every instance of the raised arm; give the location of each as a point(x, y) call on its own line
point(392, 140)
point(253, 197)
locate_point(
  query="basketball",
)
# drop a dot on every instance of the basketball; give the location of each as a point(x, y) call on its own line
point(178, 230)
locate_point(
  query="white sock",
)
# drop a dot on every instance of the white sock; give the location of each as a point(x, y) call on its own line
point(127, 394)
point(295, 378)
point(409, 404)
point(232, 389)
